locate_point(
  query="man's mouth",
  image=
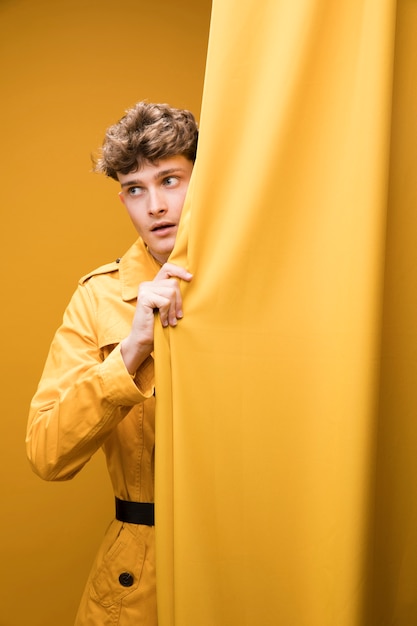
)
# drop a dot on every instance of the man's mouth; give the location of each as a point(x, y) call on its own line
point(162, 227)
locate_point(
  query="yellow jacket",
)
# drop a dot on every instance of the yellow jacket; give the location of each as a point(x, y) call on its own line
point(86, 399)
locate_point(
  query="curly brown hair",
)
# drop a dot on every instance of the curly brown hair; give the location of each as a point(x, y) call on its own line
point(146, 133)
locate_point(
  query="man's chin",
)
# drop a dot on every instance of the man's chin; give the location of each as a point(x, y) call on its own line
point(161, 254)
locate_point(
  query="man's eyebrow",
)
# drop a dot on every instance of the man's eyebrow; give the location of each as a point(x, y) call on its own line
point(168, 172)
point(128, 183)
point(160, 174)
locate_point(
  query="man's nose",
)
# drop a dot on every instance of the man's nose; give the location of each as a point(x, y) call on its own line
point(157, 202)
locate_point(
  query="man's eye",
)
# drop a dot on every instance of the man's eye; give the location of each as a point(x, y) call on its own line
point(170, 181)
point(134, 191)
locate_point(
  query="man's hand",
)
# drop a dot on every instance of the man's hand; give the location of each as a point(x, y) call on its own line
point(162, 295)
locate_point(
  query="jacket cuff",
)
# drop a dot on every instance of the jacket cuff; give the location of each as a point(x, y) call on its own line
point(119, 387)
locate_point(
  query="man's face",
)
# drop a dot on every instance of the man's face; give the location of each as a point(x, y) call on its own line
point(154, 196)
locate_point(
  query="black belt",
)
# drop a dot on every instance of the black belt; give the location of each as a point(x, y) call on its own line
point(135, 512)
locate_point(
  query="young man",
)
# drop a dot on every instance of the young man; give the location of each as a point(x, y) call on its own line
point(97, 388)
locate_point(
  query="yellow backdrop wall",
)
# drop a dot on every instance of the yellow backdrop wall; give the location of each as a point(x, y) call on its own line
point(69, 69)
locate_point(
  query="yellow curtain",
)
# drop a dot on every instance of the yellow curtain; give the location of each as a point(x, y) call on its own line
point(273, 429)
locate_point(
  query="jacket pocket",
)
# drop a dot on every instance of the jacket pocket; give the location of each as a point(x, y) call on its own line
point(119, 572)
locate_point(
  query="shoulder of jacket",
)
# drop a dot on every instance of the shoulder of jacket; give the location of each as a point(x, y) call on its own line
point(108, 268)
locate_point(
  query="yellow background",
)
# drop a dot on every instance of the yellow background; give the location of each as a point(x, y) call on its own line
point(69, 68)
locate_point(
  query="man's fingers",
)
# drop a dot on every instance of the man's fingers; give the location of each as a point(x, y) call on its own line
point(163, 294)
point(167, 313)
point(163, 297)
point(170, 270)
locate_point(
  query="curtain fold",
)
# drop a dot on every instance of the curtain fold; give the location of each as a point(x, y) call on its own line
point(268, 391)
point(392, 593)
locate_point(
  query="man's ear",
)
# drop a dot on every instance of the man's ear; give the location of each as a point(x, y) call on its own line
point(121, 197)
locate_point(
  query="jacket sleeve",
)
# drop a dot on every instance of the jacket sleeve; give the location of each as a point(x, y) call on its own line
point(82, 395)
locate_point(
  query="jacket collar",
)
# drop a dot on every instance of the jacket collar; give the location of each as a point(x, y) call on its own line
point(136, 266)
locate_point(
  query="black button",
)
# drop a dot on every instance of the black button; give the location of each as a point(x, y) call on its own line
point(126, 579)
